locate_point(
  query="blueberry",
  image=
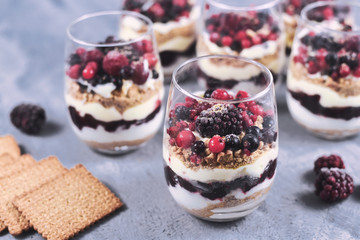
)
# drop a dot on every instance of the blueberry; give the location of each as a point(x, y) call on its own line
point(208, 93)
point(182, 112)
point(155, 74)
point(254, 130)
point(306, 40)
point(331, 59)
point(344, 59)
point(74, 59)
point(232, 142)
point(268, 122)
point(198, 147)
point(250, 142)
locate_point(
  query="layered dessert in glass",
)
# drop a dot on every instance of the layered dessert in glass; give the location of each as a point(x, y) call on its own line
point(220, 146)
point(113, 86)
point(324, 74)
point(244, 30)
point(291, 15)
point(174, 27)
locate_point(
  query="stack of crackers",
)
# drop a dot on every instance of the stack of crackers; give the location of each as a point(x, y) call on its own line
point(55, 201)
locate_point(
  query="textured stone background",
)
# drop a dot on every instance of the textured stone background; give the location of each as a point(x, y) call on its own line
point(32, 36)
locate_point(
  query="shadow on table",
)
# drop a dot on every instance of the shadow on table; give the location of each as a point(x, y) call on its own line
point(309, 177)
point(51, 128)
point(356, 194)
point(25, 235)
point(311, 200)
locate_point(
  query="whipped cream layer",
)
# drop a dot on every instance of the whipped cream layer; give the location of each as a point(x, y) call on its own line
point(328, 97)
point(207, 175)
point(194, 201)
point(317, 122)
point(135, 132)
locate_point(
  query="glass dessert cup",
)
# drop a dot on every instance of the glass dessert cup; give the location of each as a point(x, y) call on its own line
point(291, 15)
point(174, 27)
point(324, 75)
point(220, 146)
point(242, 29)
point(113, 87)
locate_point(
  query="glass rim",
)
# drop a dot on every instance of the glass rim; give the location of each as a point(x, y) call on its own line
point(107, 13)
point(305, 11)
point(265, 70)
point(263, 6)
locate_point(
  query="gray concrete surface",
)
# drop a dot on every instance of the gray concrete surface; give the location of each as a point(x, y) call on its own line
point(32, 36)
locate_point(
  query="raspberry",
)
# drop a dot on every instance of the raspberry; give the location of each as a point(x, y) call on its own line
point(185, 139)
point(256, 40)
point(333, 185)
point(257, 110)
point(214, 37)
point(242, 94)
point(113, 62)
point(226, 41)
point(28, 118)
point(332, 161)
point(313, 67)
point(344, 70)
point(74, 71)
point(94, 55)
point(147, 46)
point(173, 131)
point(216, 144)
point(241, 35)
point(157, 10)
point(90, 70)
point(221, 94)
point(219, 120)
point(245, 43)
point(198, 147)
point(180, 3)
point(328, 13)
point(80, 51)
point(151, 58)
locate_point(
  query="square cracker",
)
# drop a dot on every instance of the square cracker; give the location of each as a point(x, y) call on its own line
point(9, 145)
point(14, 165)
point(67, 205)
point(21, 182)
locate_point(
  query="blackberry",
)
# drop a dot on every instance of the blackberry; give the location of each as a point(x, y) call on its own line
point(198, 147)
point(306, 40)
point(182, 112)
point(232, 142)
point(254, 130)
point(250, 142)
point(219, 120)
point(332, 161)
point(74, 59)
point(208, 93)
point(28, 118)
point(127, 72)
point(331, 59)
point(333, 185)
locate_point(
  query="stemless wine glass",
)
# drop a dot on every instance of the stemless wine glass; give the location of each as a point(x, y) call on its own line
point(324, 75)
point(113, 85)
point(291, 15)
point(242, 28)
point(174, 27)
point(220, 146)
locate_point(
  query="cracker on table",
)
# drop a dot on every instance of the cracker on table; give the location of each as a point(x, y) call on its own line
point(65, 206)
point(21, 182)
point(15, 165)
point(9, 145)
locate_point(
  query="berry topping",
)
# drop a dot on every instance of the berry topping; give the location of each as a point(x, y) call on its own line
point(332, 161)
point(216, 144)
point(94, 55)
point(185, 139)
point(179, 3)
point(151, 58)
point(257, 110)
point(221, 94)
point(232, 142)
point(198, 147)
point(254, 130)
point(139, 75)
point(219, 120)
point(242, 94)
point(127, 72)
point(331, 59)
point(344, 70)
point(90, 70)
point(208, 93)
point(113, 62)
point(157, 10)
point(250, 142)
point(333, 185)
point(74, 71)
point(268, 122)
point(226, 41)
point(28, 118)
point(182, 112)
point(313, 67)
point(214, 37)
point(74, 59)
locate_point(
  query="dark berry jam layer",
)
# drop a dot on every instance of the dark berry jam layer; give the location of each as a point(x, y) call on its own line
point(312, 103)
point(89, 121)
point(218, 190)
point(168, 58)
point(212, 82)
